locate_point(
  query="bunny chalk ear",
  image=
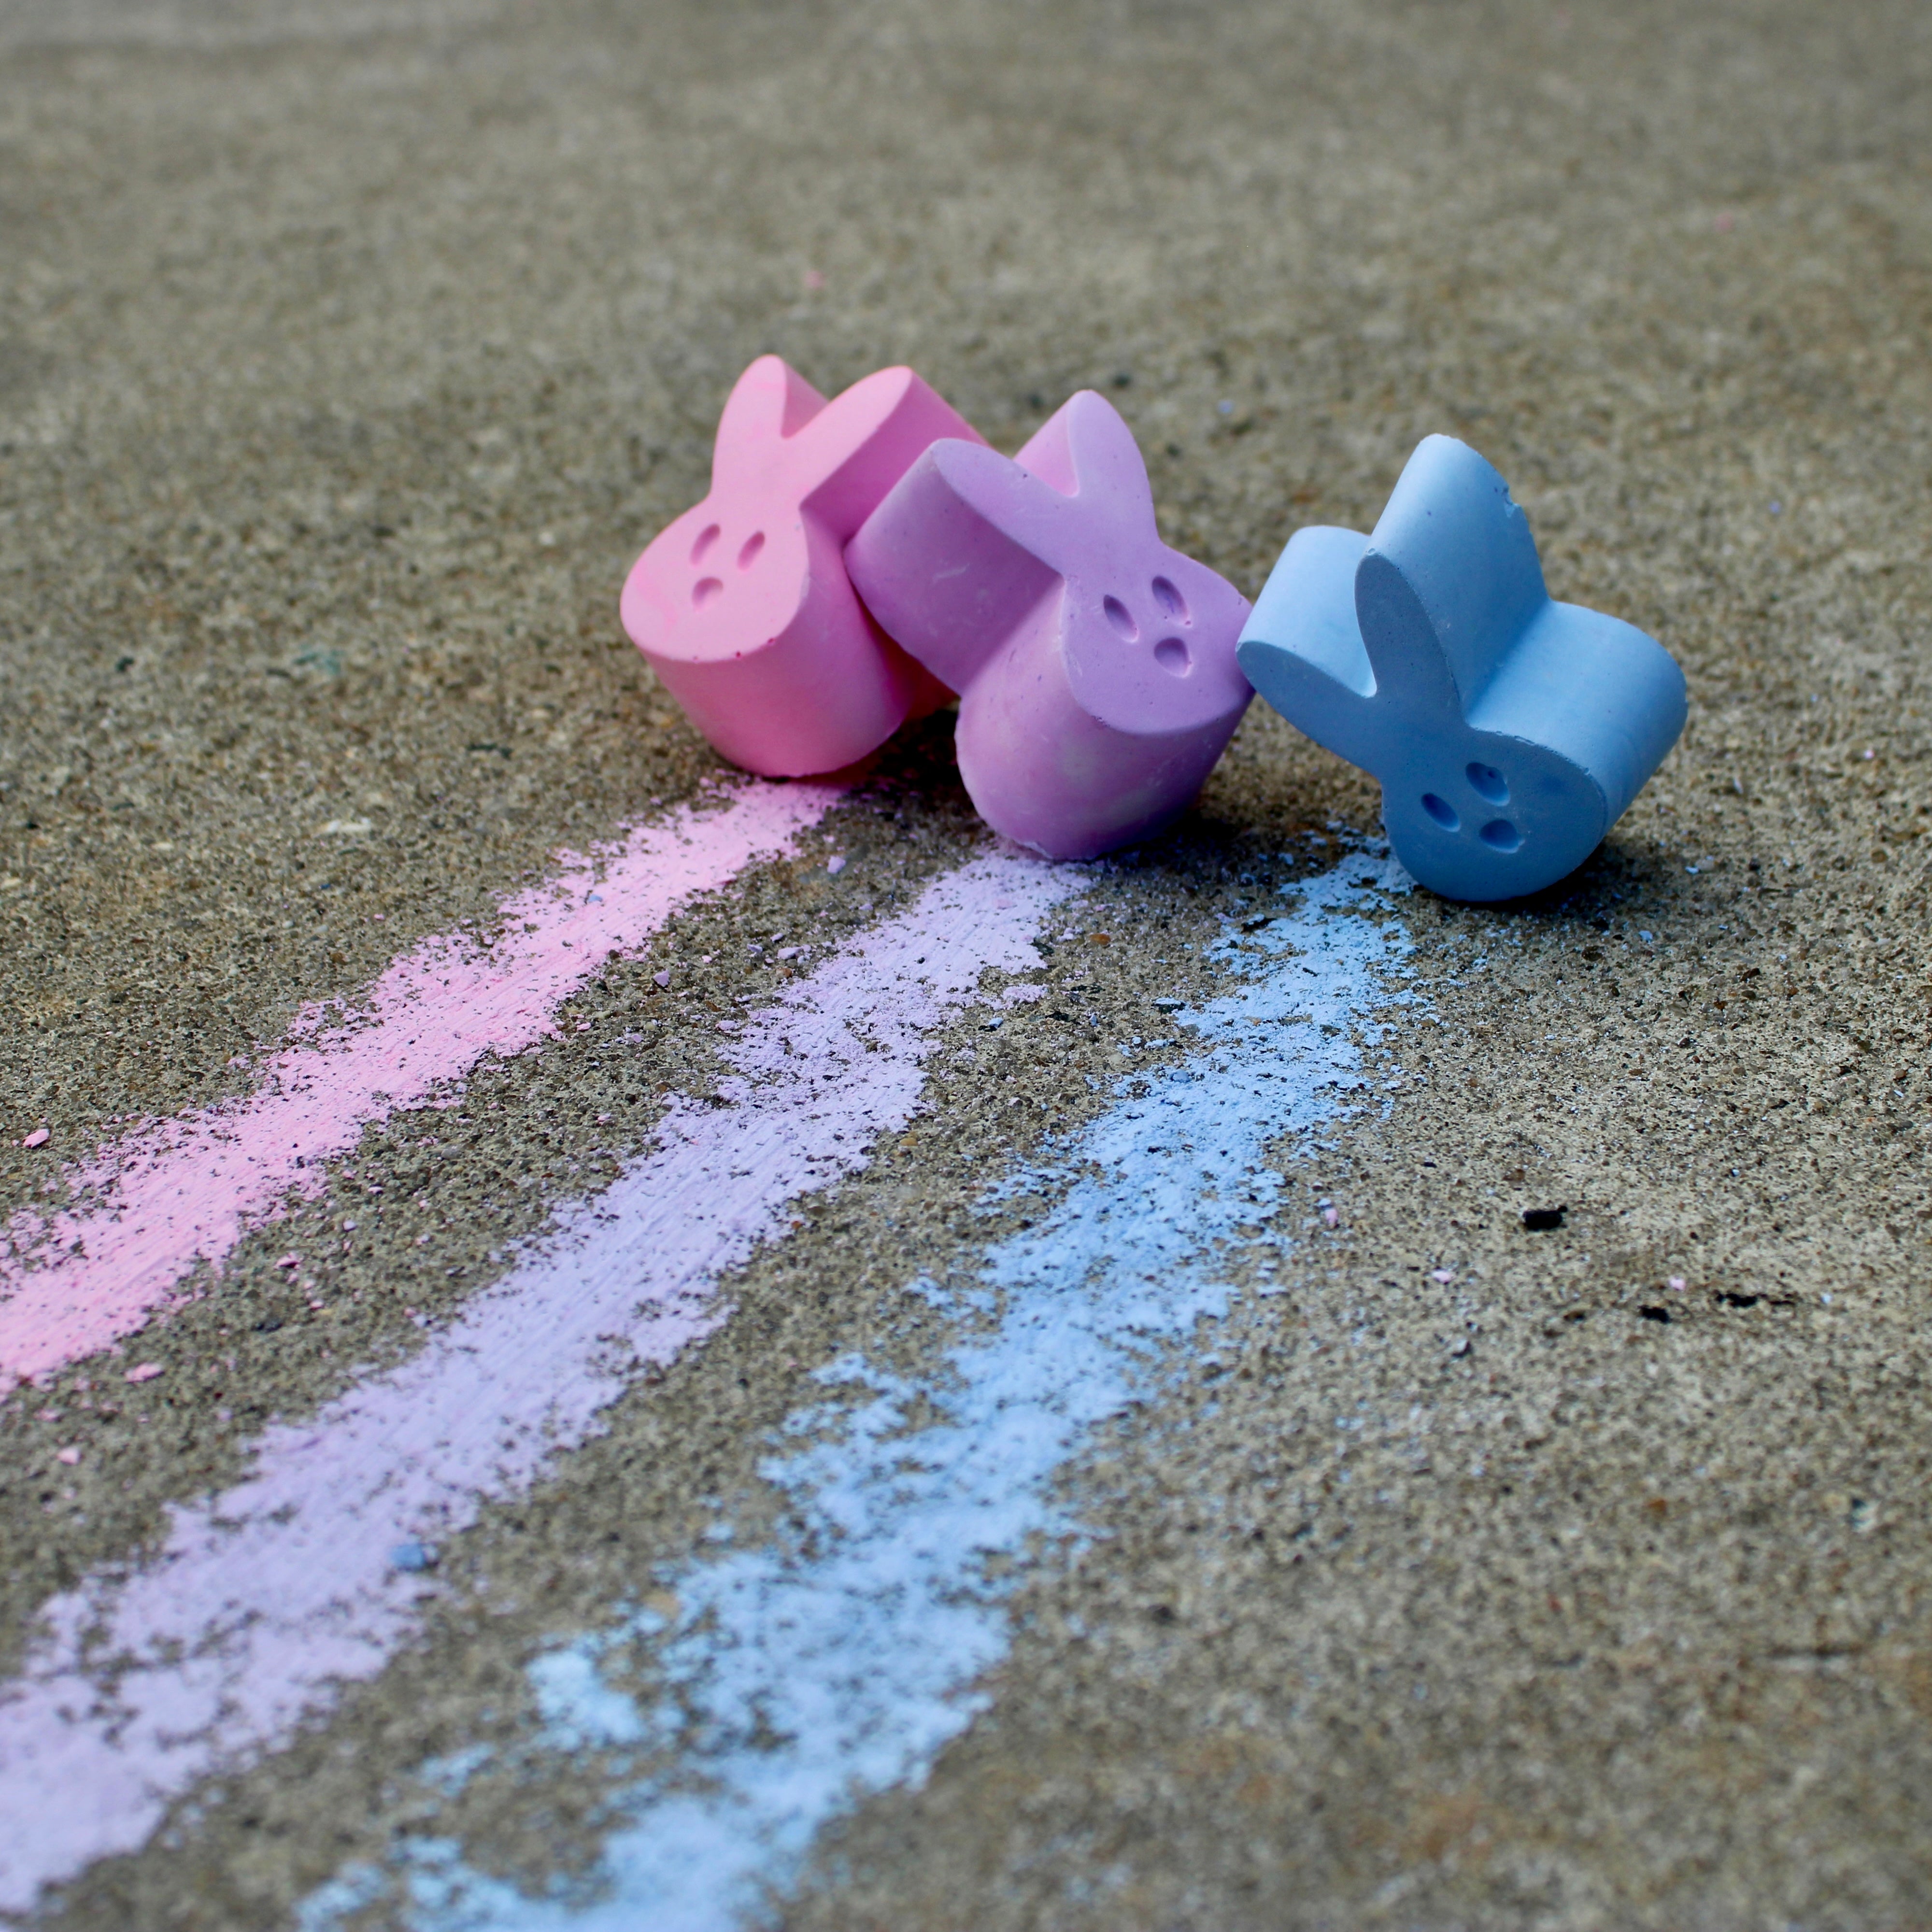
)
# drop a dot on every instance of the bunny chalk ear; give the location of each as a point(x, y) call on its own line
point(770, 400)
point(1464, 554)
point(1086, 448)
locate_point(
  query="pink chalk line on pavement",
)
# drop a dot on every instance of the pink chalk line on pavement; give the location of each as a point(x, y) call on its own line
point(169, 1196)
point(265, 1599)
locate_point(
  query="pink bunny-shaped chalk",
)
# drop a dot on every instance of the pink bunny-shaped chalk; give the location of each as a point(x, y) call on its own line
point(742, 605)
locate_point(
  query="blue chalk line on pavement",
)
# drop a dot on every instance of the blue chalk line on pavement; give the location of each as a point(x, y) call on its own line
point(840, 1659)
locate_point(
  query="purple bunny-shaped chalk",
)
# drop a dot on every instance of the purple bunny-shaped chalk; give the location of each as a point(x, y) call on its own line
point(1096, 666)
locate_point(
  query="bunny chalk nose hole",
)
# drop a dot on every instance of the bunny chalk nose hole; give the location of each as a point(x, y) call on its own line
point(1172, 655)
point(1170, 600)
point(706, 538)
point(1500, 833)
point(703, 590)
point(1441, 810)
point(1121, 618)
point(749, 555)
point(1489, 783)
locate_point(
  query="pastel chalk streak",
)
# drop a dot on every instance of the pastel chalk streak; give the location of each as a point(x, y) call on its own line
point(839, 1657)
point(148, 1210)
point(1510, 732)
point(742, 606)
point(260, 1602)
point(1096, 666)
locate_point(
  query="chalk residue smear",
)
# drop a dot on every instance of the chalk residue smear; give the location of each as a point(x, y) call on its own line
point(839, 1660)
point(187, 1190)
point(263, 1601)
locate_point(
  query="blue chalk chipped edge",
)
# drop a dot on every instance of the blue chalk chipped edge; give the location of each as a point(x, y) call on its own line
point(1510, 732)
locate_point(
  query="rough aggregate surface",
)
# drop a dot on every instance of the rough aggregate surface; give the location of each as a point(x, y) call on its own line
point(1474, 1575)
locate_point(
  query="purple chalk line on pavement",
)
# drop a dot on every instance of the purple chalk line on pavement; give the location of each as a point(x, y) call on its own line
point(262, 1601)
point(836, 1649)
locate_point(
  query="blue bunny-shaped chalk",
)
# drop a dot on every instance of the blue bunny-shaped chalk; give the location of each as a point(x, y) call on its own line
point(1509, 731)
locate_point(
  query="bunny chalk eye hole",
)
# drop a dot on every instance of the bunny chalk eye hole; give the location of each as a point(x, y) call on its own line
point(703, 591)
point(1486, 782)
point(1118, 614)
point(1173, 657)
point(1441, 810)
point(749, 555)
point(1172, 604)
point(1501, 835)
point(706, 538)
